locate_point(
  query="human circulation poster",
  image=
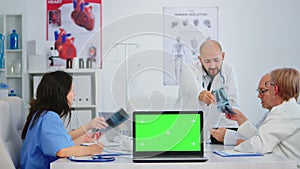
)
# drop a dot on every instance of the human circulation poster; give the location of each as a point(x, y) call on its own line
point(74, 27)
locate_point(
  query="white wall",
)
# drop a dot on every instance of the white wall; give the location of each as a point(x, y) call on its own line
point(256, 35)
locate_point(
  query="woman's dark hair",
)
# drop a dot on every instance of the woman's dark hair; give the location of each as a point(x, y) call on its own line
point(51, 95)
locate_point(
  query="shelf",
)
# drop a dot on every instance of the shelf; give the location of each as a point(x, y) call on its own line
point(84, 107)
point(13, 50)
point(63, 69)
point(14, 76)
point(16, 82)
point(85, 82)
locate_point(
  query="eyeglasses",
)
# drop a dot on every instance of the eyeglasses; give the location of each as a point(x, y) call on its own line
point(262, 91)
point(267, 84)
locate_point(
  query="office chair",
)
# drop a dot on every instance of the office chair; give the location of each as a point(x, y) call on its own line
point(18, 111)
point(10, 139)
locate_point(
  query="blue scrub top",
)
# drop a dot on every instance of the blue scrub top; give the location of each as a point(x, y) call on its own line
point(43, 141)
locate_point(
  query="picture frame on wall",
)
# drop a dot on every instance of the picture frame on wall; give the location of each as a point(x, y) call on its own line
point(74, 27)
point(185, 29)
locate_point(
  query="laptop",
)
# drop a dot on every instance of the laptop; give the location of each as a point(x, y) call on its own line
point(168, 136)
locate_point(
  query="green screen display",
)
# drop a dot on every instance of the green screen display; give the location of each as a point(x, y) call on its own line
point(172, 132)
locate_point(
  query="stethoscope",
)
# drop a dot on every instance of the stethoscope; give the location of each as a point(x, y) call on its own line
point(221, 74)
point(98, 158)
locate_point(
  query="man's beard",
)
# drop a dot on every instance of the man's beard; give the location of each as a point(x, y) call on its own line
point(210, 75)
point(213, 75)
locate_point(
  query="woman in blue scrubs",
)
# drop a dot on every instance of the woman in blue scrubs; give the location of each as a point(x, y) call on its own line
point(44, 134)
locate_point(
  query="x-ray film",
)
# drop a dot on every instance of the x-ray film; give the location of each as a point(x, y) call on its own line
point(222, 101)
point(114, 120)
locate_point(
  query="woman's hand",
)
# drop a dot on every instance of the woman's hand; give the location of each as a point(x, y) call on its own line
point(81, 150)
point(89, 137)
point(97, 123)
point(81, 134)
point(96, 148)
point(92, 137)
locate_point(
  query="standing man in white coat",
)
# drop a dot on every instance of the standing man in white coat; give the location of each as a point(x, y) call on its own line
point(279, 133)
point(198, 80)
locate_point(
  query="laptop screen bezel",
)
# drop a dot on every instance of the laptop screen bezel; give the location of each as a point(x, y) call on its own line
point(159, 153)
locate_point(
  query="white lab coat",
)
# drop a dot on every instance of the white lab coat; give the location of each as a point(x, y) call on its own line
point(279, 133)
point(245, 131)
point(193, 80)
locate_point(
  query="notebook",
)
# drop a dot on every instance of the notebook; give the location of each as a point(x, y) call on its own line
point(168, 136)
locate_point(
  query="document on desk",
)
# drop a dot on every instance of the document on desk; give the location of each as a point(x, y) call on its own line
point(233, 153)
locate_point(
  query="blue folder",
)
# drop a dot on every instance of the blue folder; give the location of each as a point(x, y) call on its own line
point(233, 153)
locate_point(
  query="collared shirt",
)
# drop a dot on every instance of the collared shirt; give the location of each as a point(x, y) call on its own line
point(194, 80)
point(279, 133)
point(43, 141)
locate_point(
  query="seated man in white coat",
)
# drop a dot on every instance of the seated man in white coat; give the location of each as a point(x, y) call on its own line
point(279, 131)
point(198, 80)
point(263, 94)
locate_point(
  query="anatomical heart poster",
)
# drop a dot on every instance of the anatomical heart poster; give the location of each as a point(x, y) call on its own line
point(74, 27)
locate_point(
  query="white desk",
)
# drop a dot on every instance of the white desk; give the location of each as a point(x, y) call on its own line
point(264, 162)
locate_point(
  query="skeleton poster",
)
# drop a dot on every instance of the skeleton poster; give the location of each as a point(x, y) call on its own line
point(185, 29)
